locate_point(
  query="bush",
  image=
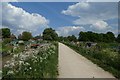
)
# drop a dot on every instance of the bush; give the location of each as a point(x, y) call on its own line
point(7, 40)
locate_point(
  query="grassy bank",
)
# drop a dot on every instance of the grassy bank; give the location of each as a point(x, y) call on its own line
point(105, 57)
point(39, 63)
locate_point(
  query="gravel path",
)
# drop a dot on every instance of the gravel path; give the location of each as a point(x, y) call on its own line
point(73, 65)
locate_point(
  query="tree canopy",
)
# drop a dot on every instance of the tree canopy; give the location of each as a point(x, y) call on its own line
point(6, 33)
point(96, 37)
point(26, 36)
point(50, 34)
point(72, 38)
point(118, 38)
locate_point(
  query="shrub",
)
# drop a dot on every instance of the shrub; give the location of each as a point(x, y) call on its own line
point(7, 40)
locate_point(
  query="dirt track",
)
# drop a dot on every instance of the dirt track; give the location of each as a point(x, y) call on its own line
point(73, 65)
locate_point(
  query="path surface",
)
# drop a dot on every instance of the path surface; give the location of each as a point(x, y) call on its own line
point(73, 65)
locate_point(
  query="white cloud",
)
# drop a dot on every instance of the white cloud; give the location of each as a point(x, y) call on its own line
point(19, 20)
point(100, 26)
point(74, 10)
point(93, 14)
point(69, 30)
point(88, 13)
point(60, 0)
point(102, 1)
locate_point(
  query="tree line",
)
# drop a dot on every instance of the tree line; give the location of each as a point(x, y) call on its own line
point(51, 35)
point(97, 37)
point(48, 34)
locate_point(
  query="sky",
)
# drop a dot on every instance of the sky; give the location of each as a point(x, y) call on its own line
point(67, 18)
point(60, 0)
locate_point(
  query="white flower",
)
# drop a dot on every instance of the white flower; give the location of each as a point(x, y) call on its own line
point(8, 62)
point(0, 71)
point(41, 60)
point(12, 64)
point(30, 67)
point(10, 72)
point(16, 56)
point(27, 64)
point(6, 65)
point(21, 62)
point(51, 50)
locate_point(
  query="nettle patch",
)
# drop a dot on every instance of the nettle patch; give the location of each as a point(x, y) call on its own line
point(35, 63)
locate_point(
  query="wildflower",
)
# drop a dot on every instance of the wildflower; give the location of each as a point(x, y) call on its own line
point(51, 50)
point(21, 62)
point(0, 72)
point(8, 62)
point(30, 67)
point(12, 64)
point(41, 60)
point(15, 56)
point(10, 72)
point(6, 65)
point(27, 64)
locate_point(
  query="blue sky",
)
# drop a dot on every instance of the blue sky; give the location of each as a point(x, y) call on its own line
point(66, 18)
point(60, 0)
point(51, 11)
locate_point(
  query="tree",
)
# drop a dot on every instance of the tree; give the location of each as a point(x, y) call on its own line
point(7, 40)
point(96, 37)
point(83, 36)
point(50, 34)
point(26, 36)
point(6, 33)
point(61, 38)
point(110, 37)
point(118, 38)
point(72, 38)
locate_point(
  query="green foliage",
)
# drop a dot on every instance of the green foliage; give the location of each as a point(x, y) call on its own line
point(6, 32)
point(68, 38)
point(111, 36)
point(62, 39)
point(96, 37)
point(26, 36)
point(7, 48)
point(7, 40)
point(118, 38)
point(72, 38)
point(19, 49)
point(50, 34)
